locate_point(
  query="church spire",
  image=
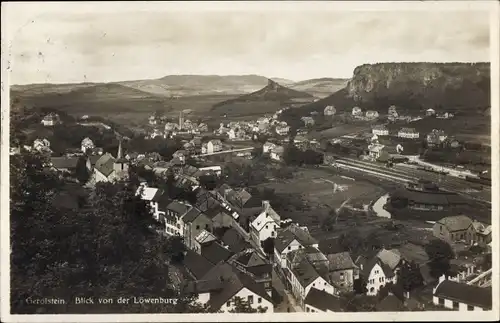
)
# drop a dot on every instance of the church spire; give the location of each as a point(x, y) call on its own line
point(119, 155)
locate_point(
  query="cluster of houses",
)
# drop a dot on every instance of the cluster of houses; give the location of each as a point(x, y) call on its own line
point(163, 128)
point(51, 119)
point(246, 130)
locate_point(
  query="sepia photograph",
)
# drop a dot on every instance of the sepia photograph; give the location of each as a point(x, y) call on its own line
point(293, 160)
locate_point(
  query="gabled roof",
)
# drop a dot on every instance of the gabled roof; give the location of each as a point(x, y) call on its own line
point(105, 164)
point(235, 241)
point(391, 257)
point(233, 281)
point(266, 217)
point(390, 303)
point(177, 207)
point(205, 237)
point(215, 253)
point(464, 293)
point(305, 273)
point(197, 265)
point(147, 193)
point(191, 215)
point(64, 162)
point(323, 301)
point(93, 159)
point(456, 223)
point(251, 259)
point(368, 266)
point(340, 261)
point(203, 286)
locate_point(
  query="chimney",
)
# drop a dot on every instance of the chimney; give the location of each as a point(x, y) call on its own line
point(265, 205)
point(119, 154)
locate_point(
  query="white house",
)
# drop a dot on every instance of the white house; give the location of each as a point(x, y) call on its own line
point(308, 121)
point(289, 239)
point(409, 133)
point(430, 112)
point(380, 270)
point(110, 169)
point(462, 296)
point(41, 145)
point(87, 143)
point(371, 114)
point(357, 112)
point(282, 130)
point(214, 146)
point(223, 284)
point(148, 194)
point(51, 119)
point(277, 153)
point(265, 224)
point(380, 130)
point(375, 150)
point(216, 169)
point(268, 147)
point(329, 110)
point(231, 134)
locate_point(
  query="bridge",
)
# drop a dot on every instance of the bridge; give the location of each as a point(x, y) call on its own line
point(483, 280)
point(225, 152)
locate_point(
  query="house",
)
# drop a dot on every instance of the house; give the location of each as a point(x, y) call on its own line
point(231, 134)
point(196, 265)
point(64, 164)
point(318, 301)
point(219, 215)
point(215, 252)
point(289, 239)
point(256, 266)
point(302, 275)
point(430, 112)
point(220, 287)
point(202, 239)
point(357, 112)
point(193, 223)
point(171, 216)
point(341, 270)
point(91, 161)
point(454, 228)
point(110, 169)
point(375, 150)
point(268, 147)
point(152, 120)
point(41, 145)
point(282, 130)
point(234, 241)
point(371, 114)
point(329, 110)
point(308, 121)
point(380, 270)
point(392, 302)
point(51, 119)
point(214, 146)
point(277, 153)
point(217, 170)
point(392, 111)
point(409, 133)
point(151, 196)
point(265, 225)
point(380, 130)
point(436, 137)
point(461, 296)
point(482, 233)
point(87, 144)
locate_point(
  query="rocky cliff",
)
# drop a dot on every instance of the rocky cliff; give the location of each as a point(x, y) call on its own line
point(459, 87)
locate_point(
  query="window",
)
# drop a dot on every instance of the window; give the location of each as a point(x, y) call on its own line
point(289, 248)
point(441, 228)
point(470, 308)
point(455, 305)
point(300, 247)
point(267, 226)
point(259, 300)
point(197, 227)
point(206, 226)
point(307, 309)
point(250, 299)
point(272, 233)
point(341, 275)
point(441, 301)
point(228, 303)
point(314, 284)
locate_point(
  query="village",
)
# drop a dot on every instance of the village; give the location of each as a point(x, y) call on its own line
point(239, 246)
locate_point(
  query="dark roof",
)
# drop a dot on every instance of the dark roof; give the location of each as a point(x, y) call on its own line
point(196, 265)
point(434, 198)
point(215, 253)
point(233, 281)
point(330, 246)
point(324, 301)
point(463, 293)
point(390, 303)
point(374, 261)
point(177, 207)
point(235, 241)
point(191, 215)
point(93, 159)
point(287, 235)
point(305, 272)
point(163, 201)
point(159, 195)
point(64, 162)
point(203, 286)
point(283, 239)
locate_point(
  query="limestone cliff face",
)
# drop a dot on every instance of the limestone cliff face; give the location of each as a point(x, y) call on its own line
point(426, 84)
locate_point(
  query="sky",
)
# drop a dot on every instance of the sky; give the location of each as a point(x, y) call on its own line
point(69, 44)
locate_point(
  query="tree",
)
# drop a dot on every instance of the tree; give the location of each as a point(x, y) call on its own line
point(209, 181)
point(440, 253)
point(243, 306)
point(268, 246)
point(410, 277)
point(174, 248)
point(292, 155)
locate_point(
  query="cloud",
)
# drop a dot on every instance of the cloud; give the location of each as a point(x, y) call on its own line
point(297, 45)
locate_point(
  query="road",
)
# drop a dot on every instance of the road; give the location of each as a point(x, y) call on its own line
point(288, 302)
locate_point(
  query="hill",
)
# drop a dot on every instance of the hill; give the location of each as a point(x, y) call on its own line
point(266, 100)
point(321, 87)
point(458, 87)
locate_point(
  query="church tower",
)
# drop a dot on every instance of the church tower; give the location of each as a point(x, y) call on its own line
point(120, 166)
